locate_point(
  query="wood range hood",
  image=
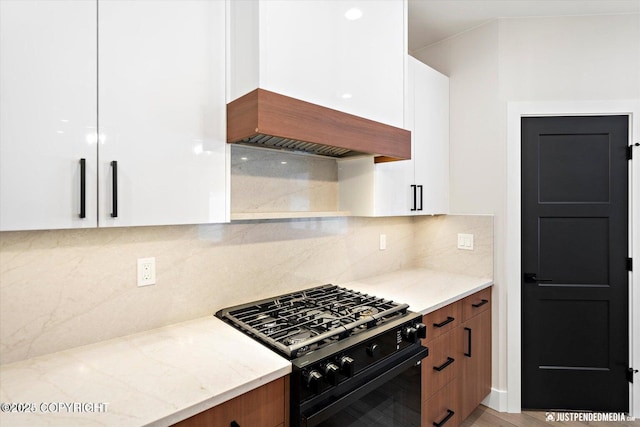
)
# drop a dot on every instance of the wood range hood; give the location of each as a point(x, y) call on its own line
point(266, 119)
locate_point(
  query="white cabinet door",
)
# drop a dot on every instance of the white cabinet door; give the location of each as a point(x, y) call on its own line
point(312, 51)
point(393, 181)
point(431, 137)
point(393, 191)
point(47, 113)
point(419, 186)
point(162, 112)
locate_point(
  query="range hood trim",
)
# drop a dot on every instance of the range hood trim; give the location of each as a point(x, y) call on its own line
point(265, 113)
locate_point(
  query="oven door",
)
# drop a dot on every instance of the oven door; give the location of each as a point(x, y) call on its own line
point(385, 395)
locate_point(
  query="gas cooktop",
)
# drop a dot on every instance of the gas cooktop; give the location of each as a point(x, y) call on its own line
point(300, 322)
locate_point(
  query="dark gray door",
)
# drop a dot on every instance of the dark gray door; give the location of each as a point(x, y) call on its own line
point(574, 263)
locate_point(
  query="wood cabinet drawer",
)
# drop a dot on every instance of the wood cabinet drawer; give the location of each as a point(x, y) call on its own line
point(443, 363)
point(442, 321)
point(442, 409)
point(476, 304)
point(261, 407)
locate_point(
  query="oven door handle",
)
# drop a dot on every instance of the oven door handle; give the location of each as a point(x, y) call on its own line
point(314, 419)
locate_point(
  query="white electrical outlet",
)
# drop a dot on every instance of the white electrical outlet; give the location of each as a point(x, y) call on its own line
point(465, 242)
point(383, 242)
point(146, 271)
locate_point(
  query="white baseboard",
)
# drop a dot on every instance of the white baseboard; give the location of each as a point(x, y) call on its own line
point(496, 400)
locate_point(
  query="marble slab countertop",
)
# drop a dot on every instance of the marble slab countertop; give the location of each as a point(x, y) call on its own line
point(423, 289)
point(156, 377)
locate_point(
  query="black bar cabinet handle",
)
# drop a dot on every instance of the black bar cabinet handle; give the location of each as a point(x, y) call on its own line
point(449, 361)
point(532, 278)
point(468, 354)
point(420, 187)
point(480, 304)
point(450, 414)
point(83, 188)
point(441, 324)
point(415, 200)
point(234, 424)
point(114, 189)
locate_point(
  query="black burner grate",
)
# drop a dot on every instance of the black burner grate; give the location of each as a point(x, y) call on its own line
point(302, 321)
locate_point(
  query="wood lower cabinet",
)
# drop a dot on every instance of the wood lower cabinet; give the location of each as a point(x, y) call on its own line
point(440, 372)
point(456, 376)
point(442, 409)
point(443, 363)
point(441, 321)
point(476, 362)
point(264, 406)
point(476, 304)
point(441, 368)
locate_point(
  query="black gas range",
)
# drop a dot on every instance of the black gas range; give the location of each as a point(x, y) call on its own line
point(347, 349)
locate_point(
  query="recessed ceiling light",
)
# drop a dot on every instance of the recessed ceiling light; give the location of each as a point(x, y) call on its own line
point(353, 14)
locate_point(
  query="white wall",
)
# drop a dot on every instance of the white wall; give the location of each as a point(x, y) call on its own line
point(576, 58)
point(517, 60)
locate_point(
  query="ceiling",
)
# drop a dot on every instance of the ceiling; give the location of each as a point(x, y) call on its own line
point(433, 20)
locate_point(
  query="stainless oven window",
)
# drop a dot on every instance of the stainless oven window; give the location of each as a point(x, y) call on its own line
point(396, 403)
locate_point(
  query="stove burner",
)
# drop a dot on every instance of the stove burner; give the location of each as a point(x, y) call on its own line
point(300, 301)
point(365, 311)
point(300, 336)
point(267, 324)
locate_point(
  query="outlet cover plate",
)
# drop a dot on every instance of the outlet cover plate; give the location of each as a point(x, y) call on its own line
point(146, 271)
point(383, 242)
point(465, 242)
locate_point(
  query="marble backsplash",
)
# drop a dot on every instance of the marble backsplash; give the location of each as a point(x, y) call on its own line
point(65, 288)
point(436, 244)
point(285, 182)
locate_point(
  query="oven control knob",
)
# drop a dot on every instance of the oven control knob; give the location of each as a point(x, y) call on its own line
point(413, 333)
point(347, 366)
point(422, 330)
point(331, 371)
point(409, 333)
point(313, 381)
point(373, 350)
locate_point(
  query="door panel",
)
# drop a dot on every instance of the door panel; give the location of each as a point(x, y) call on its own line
point(580, 162)
point(576, 250)
point(570, 346)
point(575, 243)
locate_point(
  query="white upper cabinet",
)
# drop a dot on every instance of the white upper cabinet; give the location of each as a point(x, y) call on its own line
point(47, 113)
point(344, 55)
point(162, 112)
point(419, 186)
point(157, 103)
point(430, 130)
